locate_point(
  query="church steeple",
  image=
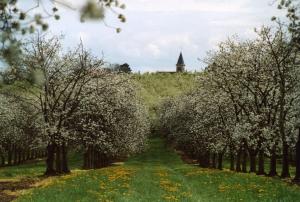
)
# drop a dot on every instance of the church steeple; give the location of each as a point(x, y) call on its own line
point(180, 66)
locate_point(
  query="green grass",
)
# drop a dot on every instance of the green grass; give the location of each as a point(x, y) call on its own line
point(25, 170)
point(36, 169)
point(226, 164)
point(155, 87)
point(160, 175)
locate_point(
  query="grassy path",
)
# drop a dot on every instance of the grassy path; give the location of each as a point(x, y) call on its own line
point(160, 175)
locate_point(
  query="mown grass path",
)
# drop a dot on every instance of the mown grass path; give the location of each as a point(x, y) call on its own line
point(160, 175)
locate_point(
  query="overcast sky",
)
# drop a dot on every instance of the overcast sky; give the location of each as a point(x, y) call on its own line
point(157, 30)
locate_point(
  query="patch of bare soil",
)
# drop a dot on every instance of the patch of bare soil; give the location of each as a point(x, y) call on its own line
point(6, 198)
point(9, 189)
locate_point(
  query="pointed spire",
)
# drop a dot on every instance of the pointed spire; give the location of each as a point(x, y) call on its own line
point(180, 66)
point(180, 59)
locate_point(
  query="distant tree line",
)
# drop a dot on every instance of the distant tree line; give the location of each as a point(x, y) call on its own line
point(124, 68)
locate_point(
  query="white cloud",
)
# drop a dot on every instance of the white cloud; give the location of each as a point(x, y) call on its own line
point(157, 30)
point(186, 5)
point(153, 49)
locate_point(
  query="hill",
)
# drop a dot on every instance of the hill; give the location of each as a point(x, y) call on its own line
point(155, 87)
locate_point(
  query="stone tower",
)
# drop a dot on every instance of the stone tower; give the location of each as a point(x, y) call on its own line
point(180, 66)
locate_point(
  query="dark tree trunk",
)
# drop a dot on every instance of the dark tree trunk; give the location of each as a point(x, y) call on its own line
point(33, 154)
point(50, 160)
point(2, 160)
point(86, 164)
point(214, 161)
point(285, 161)
point(30, 155)
point(297, 176)
point(103, 160)
point(99, 160)
point(200, 160)
point(15, 154)
point(89, 158)
point(207, 160)
point(20, 156)
point(231, 161)
point(9, 157)
point(220, 161)
point(273, 162)
point(65, 166)
point(92, 156)
point(238, 161)
point(244, 163)
point(27, 155)
point(261, 163)
point(252, 162)
point(23, 155)
point(107, 162)
point(58, 166)
point(94, 159)
point(204, 160)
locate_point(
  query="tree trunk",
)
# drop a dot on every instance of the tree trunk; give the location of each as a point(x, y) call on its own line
point(50, 160)
point(273, 159)
point(220, 161)
point(201, 160)
point(58, 166)
point(38, 154)
point(65, 166)
point(23, 155)
point(282, 120)
point(214, 161)
point(93, 160)
point(9, 157)
point(261, 163)
point(99, 160)
point(285, 161)
point(204, 160)
point(86, 159)
point(27, 155)
point(231, 161)
point(252, 162)
point(15, 154)
point(2, 160)
point(244, 163)
point(238, 161)
point(297, 176)
point(207, 160)
point(19, 155)
point(90, 157)
point(33, 154)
